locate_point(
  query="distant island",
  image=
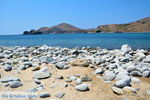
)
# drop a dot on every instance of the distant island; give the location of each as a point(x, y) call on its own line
point(142, 25)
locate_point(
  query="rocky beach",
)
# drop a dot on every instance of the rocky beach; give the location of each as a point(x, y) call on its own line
point(56, 73)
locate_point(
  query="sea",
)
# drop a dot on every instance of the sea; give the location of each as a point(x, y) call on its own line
point(102, 40)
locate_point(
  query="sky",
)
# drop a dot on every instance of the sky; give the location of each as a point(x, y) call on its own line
point(17, 16)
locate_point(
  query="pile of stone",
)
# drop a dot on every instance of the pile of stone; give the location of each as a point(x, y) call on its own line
point(119, 65)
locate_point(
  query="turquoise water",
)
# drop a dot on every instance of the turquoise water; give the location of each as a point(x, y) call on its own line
point(103, 40)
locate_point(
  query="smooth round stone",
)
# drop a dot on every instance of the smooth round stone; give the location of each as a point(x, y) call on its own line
point(72, 78)
point(136, 73)
point(41, 75)
point(44, 69)
point(99, 61)
point(66, 67)
point(99, 71)
point(60, 94)
point(117, 91)
point(78, 81)
point(22, 67)
point(37, 81)
point(7, 67)
point(108, 76)
point(126, 48)
point(59, 77)
point(123, 82)
point(82, 87)
point(44, 95)
point(15, 84)
point(59, 65)
point(146, 74)
point(129, 89)
point(28, 63)
point(1, 56)
point(135, 80)
point(8, 79)
point(68, 80)
point(33, 90)
point(119, 77)
point(86, 78)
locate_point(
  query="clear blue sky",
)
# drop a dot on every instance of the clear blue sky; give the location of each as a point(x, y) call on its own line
point(17, 16)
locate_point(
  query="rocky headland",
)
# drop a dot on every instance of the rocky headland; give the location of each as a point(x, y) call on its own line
point(142, 25)
point(85, 73)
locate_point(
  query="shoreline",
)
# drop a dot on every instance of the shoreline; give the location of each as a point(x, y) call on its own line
point(77, 47)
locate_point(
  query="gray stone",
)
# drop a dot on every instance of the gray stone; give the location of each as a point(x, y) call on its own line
point(99, 71)
point(4, 84)
point(44, 69)
point(72, 78)
point(60, 94)
point(108, 76)
point(8, 79)
point(136, 73)
point(126, 48)
point(33, 90)
point(135, 80)
point(82, 87)
point(129, 89)
point(68, 80)
point(59, 77)
point(44, 95)
point(123, 82)
point(117, 91)
point(146, 74)
point(66, 67)
point(41, 75)
point(1, 56)
point(86, 78)
point(15, 84)
point(119, 77)
point(147, 59)
point(78, 81)
point(37, 81)
point(27, 63)
point(99, 61)
point(59, 65)
point(112, 66)
point(22, 67)
point(7, 67)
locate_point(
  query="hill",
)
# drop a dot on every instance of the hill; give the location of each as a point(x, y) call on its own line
point(60, 28)
point(142, 25)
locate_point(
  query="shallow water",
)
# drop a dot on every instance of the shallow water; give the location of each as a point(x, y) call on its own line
point(103, 40)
